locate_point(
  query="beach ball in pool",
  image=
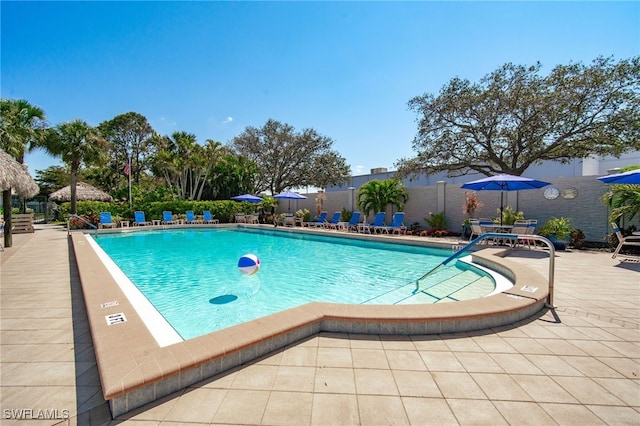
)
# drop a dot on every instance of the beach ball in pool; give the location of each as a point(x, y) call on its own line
point(249, 264)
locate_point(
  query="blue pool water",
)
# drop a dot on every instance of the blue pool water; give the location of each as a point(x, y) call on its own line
point(192, 279)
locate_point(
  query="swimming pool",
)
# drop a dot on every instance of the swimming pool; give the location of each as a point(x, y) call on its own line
point(190, 275)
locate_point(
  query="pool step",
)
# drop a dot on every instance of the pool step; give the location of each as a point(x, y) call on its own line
point(448, 285)
point(466, 285)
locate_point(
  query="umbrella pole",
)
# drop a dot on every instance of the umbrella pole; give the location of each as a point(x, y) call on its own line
point(501, 205)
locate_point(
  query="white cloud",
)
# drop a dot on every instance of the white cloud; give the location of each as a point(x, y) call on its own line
point(167, 121)
point(358, 170)
point(227, 120)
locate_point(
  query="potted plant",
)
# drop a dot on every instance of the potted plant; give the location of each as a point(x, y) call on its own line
point(558, 230)
point(303, 215)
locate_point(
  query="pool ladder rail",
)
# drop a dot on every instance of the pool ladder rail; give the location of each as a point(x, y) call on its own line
point(95, 228)
point(497, 235)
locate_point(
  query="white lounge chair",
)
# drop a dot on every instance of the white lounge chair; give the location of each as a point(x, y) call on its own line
point(631, 240)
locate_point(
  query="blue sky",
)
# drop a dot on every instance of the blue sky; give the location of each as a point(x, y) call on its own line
point(346, 69)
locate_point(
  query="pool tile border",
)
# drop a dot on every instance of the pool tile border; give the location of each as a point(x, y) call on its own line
point(135, 371)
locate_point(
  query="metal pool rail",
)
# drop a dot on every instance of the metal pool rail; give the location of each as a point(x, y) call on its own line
point(502, 236)
point(95, 228)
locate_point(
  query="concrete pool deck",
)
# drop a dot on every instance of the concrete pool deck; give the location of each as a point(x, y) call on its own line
point(577, 364)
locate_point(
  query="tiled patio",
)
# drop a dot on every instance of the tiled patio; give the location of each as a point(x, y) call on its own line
point(579, 364)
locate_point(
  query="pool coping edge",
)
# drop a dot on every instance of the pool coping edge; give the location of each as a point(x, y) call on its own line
point(135, 370)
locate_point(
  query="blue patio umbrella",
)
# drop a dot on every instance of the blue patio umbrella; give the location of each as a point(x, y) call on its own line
point(630, 177)
point(247, 197)
point(290, 195)
point(503, 183)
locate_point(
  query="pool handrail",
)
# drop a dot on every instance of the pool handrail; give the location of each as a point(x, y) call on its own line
point(502, 236)
point(81, 219)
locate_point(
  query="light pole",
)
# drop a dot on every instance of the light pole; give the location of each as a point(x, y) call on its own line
point(352, 189)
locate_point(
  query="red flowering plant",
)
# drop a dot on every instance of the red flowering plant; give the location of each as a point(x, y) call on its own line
point(471, 204)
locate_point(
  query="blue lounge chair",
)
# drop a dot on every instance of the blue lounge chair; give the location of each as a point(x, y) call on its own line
point(378, 221)
point(139, 219)
point(320, 221)
point(207, 218)
point(167, 218)
point(396, 225)
point(106, 221)
point(191, 218)
point(333, 222)
point(352, 224)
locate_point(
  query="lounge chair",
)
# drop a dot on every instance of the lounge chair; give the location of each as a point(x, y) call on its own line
point(520, 227)
point(207, 218)
point(106, 221)
point(397, 225)
point(378, 221)
point(252, 218)
point(167, 218)
point(333, 222)
point(320, 221)
point(477, 229)
point(289, 220)
point(631, 240)
point(352, 224)
point(240, 218)
point(191, 218)
point(139, 219)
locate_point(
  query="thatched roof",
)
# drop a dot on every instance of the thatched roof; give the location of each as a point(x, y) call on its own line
point(14, 175)
point(84, 192)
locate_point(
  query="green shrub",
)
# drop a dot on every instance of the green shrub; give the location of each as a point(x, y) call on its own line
point(509, 217)
point(304, 214)
point(346, 215)
point(436, 221)
point(557, 228)
point(223, 210)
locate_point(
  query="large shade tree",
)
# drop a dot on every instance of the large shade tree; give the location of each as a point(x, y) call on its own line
point(289, 159)
point(131, 138)
point(515, 117)
point(77, 143)
point(51, 179)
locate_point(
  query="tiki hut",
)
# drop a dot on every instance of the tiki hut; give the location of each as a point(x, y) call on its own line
point(13, 177)
point(84, 192)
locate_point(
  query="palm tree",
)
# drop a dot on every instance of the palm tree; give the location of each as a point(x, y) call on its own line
point(177, 160)
point(624, 201)
point(77, 143)
point(21, 127)
point(376, 195)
